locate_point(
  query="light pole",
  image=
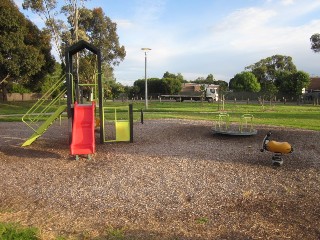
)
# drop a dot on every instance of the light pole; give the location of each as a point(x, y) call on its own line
point(145, 74)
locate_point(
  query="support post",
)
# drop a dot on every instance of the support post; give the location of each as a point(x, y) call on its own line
point(131, 122)
point(141, 116)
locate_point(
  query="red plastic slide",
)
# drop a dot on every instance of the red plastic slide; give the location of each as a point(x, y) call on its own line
point(83, 139)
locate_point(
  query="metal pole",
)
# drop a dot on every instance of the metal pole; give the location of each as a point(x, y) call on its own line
point(145, 78)
point(145, 75)
point(141, 116)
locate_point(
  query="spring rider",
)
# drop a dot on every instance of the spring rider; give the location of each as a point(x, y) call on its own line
point(277, 148)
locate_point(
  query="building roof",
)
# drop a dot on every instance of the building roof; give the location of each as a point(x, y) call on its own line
point(314, 84)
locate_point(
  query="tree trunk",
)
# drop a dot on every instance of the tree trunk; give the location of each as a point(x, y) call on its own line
point(3, 84)
point(4, 91)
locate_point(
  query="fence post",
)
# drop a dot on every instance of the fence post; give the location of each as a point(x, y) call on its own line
point(131, 122)
point(141, 116)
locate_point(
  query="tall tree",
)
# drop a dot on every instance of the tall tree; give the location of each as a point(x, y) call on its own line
point(114, 90)
point(41, 40)
point(223, 85)
point(282, 82)
point(172, 85)
point(102, 32)
point(158, 86)
point(168, 75)
point(82, 23)
point(245, 81)
point(139, 87)
point(98, 29)
point(174, 76)
point(210, 79)
point(51, 78)
point(22, 54)
point(315, 42)
point(155, 86)
point(267, 69)
point(180, 77)
point(300, 80)
point(47, 11)
point(292, 83)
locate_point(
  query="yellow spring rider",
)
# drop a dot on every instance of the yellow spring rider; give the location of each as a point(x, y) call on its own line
point(278, 148)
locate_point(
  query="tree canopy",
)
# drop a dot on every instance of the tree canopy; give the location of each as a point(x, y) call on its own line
point(202, 80)
point(211, 80)
point(102, 32)
point(268, 68)
point(292, 83)
point(173, 76)
point(172, 85)
point(91, 25)
point(223, 85)
point(24, 49)
point(278, 74)
point(169, 84)
point(82, 23)
point(245, 81)
point(315, 42)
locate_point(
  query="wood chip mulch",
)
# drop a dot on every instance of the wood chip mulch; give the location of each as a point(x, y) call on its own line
point(176, 181)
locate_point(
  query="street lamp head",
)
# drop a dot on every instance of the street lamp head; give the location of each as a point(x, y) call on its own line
point(146, 49)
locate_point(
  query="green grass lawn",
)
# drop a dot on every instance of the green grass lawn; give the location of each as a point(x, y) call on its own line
point(13, 231)
point(287, 115)
point(302, 116)
point(15, 107)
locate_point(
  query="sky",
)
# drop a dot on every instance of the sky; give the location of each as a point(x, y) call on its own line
point(201, 37)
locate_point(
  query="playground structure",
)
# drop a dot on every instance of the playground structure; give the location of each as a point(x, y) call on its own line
point(277, 148)
point(82, 118)
point(245, 127)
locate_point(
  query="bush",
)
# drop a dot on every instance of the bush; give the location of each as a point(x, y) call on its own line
point(18, 88)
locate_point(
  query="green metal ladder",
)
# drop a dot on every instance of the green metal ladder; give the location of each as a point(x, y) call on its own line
point(45, 111)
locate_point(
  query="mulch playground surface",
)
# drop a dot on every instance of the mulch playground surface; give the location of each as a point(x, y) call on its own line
point(175, 181)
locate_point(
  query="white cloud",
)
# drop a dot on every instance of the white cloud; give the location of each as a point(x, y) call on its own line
point(256, 29)
point(287, 2)
point(245, 19)
point(147, 11)
point(292, 9)
point(124, 23)
point(219, 44)
point(247, 35)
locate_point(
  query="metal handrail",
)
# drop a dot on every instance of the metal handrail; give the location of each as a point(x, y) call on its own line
point(244, 122)
point(43, 105)
point(223, 120)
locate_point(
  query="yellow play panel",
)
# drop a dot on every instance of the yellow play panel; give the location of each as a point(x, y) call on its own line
point(117, 124)
point(122, 131)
